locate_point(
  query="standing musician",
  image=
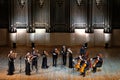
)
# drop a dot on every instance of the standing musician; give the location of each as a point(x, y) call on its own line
point(98, 61)
point(55, 56)
point(28, 59)
point(11, 58)
point(35, 56)
point(69, 51)
point(64, 54)
point(82, 50)
point(44, 60)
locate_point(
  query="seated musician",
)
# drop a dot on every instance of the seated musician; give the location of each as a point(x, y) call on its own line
point(85, 66)
point(98, 61)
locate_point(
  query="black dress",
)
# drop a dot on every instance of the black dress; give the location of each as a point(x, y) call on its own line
point(35, 62)
point(44, 61)
point(70, 60)
point(11, 67)
point(27, 67)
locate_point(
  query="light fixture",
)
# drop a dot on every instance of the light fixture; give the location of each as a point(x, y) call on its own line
point(41, 3)
point(22, 3)
point(89, 29)
point(78, 2)
point(12, 29)
point(30, 30)
point(107, 29)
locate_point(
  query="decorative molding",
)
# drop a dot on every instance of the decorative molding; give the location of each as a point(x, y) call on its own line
point(99, 3)
point(60, 2)
point(41, 3)
point(79, 25)
point(22, 3)
point(78, 2)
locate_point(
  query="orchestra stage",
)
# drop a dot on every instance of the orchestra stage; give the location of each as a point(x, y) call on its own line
point(109, 71)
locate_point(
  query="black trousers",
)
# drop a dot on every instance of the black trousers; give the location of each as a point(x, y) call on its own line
point(11, 67)
point(34, 63)
point(64, 59)
point(54, 61)
point(27, 68)
point(70, 62)
point(97, 65)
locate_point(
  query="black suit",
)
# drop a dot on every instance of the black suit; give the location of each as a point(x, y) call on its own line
point(64, 56)
point(55, 56)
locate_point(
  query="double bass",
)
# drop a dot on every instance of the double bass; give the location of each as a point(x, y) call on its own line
point(83, 68)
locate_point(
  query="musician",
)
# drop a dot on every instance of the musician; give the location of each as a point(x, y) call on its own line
point(98, 61)
point(64, 54)
point(85, 66)
point(55, 56)
point(11, 58)
point(82, 51)
point(44, 60)
point(69, 52)
point(28, 59)
point(35, 56)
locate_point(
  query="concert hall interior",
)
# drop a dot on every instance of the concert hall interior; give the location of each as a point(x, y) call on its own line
point(59, 40)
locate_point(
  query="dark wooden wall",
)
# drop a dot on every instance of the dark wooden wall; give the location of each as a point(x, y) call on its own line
point(4, 13)
point(60, 15)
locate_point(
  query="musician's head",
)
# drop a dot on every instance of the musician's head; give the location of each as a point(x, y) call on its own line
point(44, 51)
point(63, 46)
point(11, 51)
point(56, 49)
point(33, 48)
point(28, 53)
point(99, 55)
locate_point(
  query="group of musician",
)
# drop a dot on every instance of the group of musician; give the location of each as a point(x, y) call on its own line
point(82, 63)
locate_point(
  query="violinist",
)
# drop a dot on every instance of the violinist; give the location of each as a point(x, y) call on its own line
point(55, 56)
point(69, 52)
point(11, 58)
point(64, 54)
point(28, 60)
point(35, 56)
point(44, 60)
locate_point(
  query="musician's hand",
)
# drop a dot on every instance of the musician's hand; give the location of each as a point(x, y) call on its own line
point(91, 59)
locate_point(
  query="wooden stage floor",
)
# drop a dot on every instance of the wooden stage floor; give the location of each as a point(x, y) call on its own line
point(110, 69)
